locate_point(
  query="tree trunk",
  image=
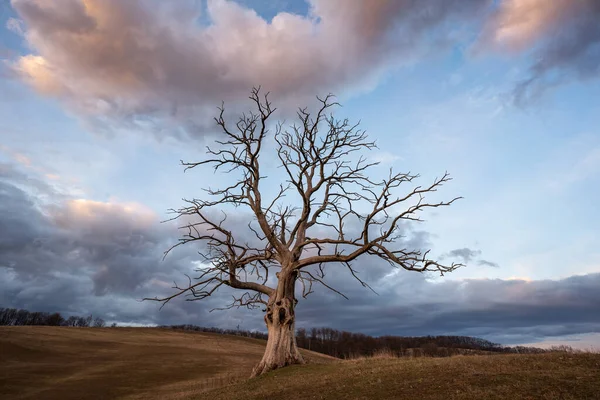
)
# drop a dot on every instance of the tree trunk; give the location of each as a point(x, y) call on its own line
point(280, 318)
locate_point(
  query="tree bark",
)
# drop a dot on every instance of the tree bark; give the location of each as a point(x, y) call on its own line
point(280, 318)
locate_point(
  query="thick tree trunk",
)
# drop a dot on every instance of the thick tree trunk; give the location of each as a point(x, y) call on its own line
point(280, 319)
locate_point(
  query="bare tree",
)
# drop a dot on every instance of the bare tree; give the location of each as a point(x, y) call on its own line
point(339, 215)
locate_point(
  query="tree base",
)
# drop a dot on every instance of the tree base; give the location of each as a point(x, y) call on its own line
point(264, 366)
point(281, 349)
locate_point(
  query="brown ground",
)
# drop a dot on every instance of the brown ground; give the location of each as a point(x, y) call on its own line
point(121, 363)
point(512, 377)
point(141, 363)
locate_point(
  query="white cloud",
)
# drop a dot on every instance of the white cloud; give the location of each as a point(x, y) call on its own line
point(15, 25)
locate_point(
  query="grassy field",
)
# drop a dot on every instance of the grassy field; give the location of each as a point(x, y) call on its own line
point(513, 377)
point(122, 363)
point(140, 363)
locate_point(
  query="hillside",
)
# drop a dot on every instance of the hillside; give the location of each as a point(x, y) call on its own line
point(126, 363)
point(540, 376)
point(150, 363)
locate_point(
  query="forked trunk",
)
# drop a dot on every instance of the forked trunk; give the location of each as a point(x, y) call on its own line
point(280, 319)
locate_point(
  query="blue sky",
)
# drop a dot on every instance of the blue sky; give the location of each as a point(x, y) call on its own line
point(437, 94)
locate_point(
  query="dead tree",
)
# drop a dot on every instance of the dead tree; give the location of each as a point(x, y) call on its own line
point(339, 214)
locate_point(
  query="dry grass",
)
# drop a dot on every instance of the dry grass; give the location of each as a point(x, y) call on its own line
point(121, 363)
point(139, 363)
point(377, 354)
point(519, 377)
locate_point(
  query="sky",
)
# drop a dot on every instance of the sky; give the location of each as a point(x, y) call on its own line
point(101, 99)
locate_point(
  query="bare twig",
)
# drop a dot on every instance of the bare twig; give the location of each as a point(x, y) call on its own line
point(327, 174)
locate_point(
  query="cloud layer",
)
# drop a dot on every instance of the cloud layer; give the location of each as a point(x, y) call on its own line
point(82, 256)
point(135, 62)
point(66, 253)
point(142, 64)
point(505, 311)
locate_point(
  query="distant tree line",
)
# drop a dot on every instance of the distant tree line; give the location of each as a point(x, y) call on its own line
point(15, 317)
point(236, 332)
point(329, 341)
point(344, 344)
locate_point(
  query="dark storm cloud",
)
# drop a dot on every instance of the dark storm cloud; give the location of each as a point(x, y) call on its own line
point(66, 238)
point(506, 311)
point(80, 257)
point(67, 252)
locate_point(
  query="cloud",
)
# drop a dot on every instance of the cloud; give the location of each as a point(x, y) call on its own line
point(385, 157)
point(488, 263)
point(132, 62)
point(116, 247)
point(9, 174)
point(465, 254)
point(562, 35)
point(163, 67)
point(80, 256)
point(505, 311)
point(15, 25)
point(85, 256)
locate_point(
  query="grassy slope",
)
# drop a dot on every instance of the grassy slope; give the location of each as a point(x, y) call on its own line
point(138, 363)
point(546, 376)
point(125, 363)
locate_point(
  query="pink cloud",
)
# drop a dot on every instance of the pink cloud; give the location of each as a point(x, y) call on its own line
point(147, 63)
point(127, 59)
point(562, 35)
